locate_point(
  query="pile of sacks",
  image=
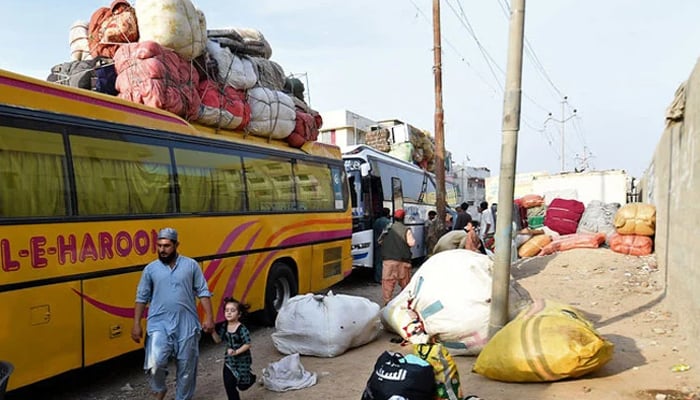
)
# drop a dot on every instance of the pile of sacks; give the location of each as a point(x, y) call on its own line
point(566, 224)
point(160, 53)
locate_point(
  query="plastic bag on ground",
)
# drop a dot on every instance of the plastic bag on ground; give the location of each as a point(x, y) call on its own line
point(325, 325)
point(287, 374)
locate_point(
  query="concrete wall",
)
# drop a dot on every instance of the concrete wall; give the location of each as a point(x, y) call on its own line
point(672, 184)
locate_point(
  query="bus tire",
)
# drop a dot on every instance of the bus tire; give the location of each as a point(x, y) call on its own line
point(281, 286)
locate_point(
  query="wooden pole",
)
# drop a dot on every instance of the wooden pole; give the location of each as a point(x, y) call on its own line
point(439, 116)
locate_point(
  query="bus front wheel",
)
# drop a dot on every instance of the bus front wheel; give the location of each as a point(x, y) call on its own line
point(281, 286)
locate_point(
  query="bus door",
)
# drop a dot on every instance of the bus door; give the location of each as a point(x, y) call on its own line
point(396, 194)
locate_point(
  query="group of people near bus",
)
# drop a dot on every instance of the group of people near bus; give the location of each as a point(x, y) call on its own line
point(392, 260)
point(169, 286)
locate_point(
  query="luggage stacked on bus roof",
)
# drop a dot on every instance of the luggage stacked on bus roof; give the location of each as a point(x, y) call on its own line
point(161, 54)
point(404, 141)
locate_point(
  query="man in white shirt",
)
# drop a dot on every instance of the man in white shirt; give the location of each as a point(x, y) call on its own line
point(488, 227)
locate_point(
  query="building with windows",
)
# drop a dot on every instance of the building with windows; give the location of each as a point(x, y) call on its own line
point(344, 128)
point(471, 182)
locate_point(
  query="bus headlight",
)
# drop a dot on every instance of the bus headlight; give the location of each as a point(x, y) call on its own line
point(361, 246)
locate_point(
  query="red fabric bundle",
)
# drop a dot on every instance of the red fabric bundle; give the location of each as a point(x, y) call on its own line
point(574, 241)
point(153, 75)
point(531, 200)
point(110, 25)
point(634, 245)
point(223, 107)
point(563, 215)
point(305, 128)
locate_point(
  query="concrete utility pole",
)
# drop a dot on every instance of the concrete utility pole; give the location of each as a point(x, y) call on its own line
point(506, 182)
point(439, 115)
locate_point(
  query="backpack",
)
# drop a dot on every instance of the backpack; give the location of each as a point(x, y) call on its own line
point(397, 375)
point(94, 74)
point(444, 367)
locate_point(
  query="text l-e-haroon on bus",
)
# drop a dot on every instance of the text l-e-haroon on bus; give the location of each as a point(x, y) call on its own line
point(88, 179)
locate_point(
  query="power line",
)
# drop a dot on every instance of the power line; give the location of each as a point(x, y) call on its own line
point(530, 52)
point(461, 57)
point(490, 61)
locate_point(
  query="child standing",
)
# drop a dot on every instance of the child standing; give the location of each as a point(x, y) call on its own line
point(472, 242)
point(238, 359)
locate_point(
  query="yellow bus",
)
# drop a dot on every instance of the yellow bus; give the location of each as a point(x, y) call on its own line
point(86, 182)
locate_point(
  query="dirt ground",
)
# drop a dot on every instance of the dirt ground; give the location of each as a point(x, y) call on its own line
point(622, 295)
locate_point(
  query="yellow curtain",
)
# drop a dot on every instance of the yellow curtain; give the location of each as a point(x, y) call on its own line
point(195, 189)
point(228, 191)
point(31, 185)
point(149, 187)
point(100, 186)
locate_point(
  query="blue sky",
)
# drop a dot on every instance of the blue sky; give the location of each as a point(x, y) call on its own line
point(618, 62)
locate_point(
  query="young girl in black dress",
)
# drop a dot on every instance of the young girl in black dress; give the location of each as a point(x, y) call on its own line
point(238, 359)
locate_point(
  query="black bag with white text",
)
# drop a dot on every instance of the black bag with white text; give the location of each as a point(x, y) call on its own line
point(397, 375)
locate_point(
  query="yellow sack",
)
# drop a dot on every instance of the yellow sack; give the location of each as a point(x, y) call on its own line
point(636, 219)
point(444, 367)
point(534, 245)
point(547, 342)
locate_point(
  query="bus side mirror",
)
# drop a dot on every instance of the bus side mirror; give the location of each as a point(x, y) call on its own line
point(364, 169)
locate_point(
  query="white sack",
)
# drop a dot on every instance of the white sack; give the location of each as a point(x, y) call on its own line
point(175, 24)
point(449, 297)
point(325, 326)
point(238, 72)
point(272, 113)
point(78, 41)
point(287, 374)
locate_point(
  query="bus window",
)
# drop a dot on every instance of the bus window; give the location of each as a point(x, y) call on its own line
point(314, 186)
point(32, 174)
point(116, 177)
point(209, 182)
point(270, 185)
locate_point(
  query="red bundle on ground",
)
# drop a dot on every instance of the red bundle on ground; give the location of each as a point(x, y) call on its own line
point(531, 200)
point(634, 245)
point(563, 215)
point(574, 241)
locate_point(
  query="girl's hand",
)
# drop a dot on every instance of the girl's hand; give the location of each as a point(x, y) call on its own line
point(231, 352)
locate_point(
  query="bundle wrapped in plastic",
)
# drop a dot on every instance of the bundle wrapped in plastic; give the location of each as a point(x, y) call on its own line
point(449, 299)
point(547, 342)
point(325, 326)
point(175, 24)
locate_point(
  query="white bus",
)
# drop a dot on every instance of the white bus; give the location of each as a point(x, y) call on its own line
point(379, 180)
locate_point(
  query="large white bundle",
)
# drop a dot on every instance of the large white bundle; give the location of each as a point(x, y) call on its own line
point(238, 72)
point(449, 297)
point(325, 326)
point(175, 24)
point(272, 113)
point(598, 217)
point(78, 41)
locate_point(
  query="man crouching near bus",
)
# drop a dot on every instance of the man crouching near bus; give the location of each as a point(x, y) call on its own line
point(169, 285)
point(396, 256)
